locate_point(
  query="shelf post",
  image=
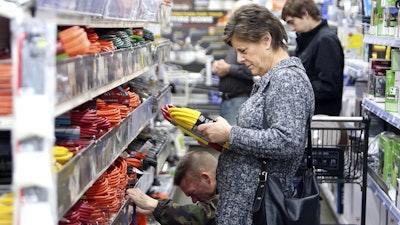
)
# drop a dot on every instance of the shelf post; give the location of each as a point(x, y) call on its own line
point(365, 170)
point(33, 57)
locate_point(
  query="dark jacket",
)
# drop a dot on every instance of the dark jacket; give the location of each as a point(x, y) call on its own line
point(322, 55)
point(239, 79)
point(203, 213)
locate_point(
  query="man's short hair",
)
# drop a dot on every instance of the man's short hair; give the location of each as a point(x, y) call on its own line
point(193, 163)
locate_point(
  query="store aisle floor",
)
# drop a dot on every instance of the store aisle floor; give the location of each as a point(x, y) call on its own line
point(327, 216)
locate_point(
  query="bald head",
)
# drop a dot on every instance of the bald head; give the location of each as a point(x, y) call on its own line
point(194, 163)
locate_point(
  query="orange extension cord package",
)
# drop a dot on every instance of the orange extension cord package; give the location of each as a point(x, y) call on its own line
point(74, 41)
point(107, 194)
point(5, 89)
point(116, 105)
point(116, 95)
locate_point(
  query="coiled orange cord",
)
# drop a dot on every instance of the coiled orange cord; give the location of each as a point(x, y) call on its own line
point(74, 40)
point(133, 162)
point(134, 100)
point(95, 46)
point(111, 113)
point(108, 192)
point(5, 89)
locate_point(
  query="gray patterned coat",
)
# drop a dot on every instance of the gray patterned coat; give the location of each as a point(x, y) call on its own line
point(271, 124)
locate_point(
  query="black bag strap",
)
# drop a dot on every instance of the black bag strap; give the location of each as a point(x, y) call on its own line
point(309, 146)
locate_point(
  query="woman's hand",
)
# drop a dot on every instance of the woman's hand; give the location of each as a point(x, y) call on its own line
point(217, 132)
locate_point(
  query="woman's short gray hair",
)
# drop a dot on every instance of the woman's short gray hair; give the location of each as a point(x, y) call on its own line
point(252, 22)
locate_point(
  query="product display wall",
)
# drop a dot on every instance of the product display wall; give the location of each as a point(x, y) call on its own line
point(377, 95)
point(78, 79)
point(89, 105)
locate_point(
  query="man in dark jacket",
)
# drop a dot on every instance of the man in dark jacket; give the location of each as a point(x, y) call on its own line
point(195, 176)
point(235, 83)
point(235, 80)
point(320, 51)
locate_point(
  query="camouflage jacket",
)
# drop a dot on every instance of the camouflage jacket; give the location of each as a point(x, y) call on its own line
point(168, 213)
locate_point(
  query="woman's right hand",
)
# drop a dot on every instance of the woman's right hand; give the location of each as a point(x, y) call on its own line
point(217, 132)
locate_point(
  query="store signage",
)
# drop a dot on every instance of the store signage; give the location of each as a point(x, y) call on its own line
point(198, 18)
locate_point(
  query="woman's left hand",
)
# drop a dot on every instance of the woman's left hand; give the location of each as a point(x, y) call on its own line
point(217, 132)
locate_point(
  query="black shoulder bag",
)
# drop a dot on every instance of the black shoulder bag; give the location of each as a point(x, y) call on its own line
point(271, 207)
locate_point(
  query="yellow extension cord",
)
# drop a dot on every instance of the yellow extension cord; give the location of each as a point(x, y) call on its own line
point(187, 119)
point(6, 208)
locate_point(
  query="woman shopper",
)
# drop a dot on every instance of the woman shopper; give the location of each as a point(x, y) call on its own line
point(272, 123)
point(320, 51)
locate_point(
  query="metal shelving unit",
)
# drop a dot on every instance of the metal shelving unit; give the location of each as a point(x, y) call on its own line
point(42, 196)
point(379, 110)
point(393, 119)
point(33, 132)
point(374, 181)
point(381, 40)
point(68, 18)
point(384, 198)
